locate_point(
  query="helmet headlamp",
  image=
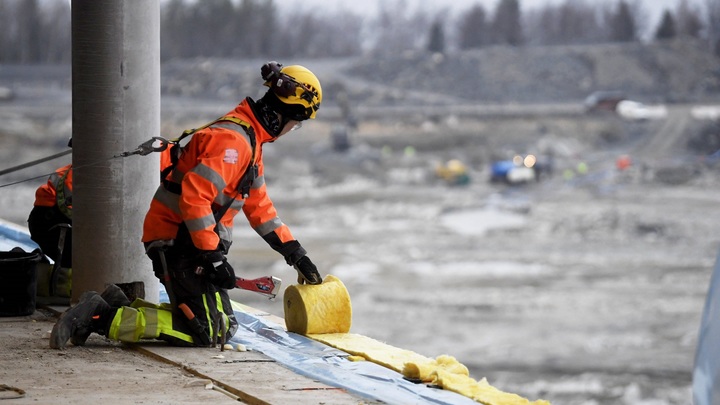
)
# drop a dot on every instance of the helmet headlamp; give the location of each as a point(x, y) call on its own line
point(291, 91)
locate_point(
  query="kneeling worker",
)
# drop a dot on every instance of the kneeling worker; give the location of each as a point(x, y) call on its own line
point(51, 211)
point(187, 231)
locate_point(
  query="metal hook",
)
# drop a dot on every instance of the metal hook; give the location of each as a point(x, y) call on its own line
point(149, 147)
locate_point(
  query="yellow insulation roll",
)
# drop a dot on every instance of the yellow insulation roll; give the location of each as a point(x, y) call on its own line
point(322, 308)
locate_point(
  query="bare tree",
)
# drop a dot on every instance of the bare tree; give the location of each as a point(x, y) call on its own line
point(572, 22)
point(713, 25)
point(256, 26)
point(396, 30)
point(541, 26)
point(29, 30)
point(7, 26)
point(507, 26)
point(306, 35)
point(30, 33)
point(317, 35)
point(267, 25)
point(56, 44)
point(580, 23)
point(689, 22)
point(340, 34)
point(218, 28)
point(622, 23)
point(174, 37)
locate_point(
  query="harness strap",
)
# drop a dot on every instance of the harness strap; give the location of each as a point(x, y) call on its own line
point(176, 148)
point(245, 182)
point(61, 198)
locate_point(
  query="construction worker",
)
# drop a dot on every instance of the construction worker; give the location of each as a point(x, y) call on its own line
point(51, 215)
point(187, 230)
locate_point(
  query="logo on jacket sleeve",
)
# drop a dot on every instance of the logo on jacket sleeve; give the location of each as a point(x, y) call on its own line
point(231, 156)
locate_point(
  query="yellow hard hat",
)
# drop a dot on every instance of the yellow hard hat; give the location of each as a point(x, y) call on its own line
point(296, 87)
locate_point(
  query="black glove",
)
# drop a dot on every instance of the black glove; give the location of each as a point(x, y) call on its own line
point(218, 270)
point(292, 251)
point(307, 271)
point(295, 255)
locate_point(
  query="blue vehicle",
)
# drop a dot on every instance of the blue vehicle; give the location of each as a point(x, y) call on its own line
point(519, 169)
point(499, 170)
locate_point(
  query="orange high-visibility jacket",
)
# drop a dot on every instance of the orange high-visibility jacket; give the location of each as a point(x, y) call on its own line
point(57, 191)
point(208, 171)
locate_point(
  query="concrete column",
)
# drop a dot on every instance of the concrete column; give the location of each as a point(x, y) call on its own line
point(116, 106)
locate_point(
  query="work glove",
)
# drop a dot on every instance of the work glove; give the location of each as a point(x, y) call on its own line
point(307, 271)
point(295, 255)
point(218, 270)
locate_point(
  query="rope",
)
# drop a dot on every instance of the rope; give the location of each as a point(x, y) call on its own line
point(144, 149)
point(34, 162)
point(49, 174)
point(23, 181)
point(18, 393)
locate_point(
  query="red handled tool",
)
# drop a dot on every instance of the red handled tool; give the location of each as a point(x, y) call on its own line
point(267, 285)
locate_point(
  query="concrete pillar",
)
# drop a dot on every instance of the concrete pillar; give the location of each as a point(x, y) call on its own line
point(116, 106)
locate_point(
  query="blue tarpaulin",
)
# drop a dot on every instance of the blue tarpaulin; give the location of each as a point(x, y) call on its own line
point(331, 366)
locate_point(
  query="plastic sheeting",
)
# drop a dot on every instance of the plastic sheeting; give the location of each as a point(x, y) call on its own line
point(706, 375)
point(12, 235)
point(331, 366)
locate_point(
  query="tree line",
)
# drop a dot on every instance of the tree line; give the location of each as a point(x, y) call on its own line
point(36, 31)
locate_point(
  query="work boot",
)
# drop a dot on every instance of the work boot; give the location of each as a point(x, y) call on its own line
point(78, 322)
point(115, 297)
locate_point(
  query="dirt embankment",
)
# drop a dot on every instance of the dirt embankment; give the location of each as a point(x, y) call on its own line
point(673, 71)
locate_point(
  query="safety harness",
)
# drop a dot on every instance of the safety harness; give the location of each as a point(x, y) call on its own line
point(245, 182)
point(63, 200)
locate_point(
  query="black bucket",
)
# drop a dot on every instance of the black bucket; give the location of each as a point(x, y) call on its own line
point(18, 281)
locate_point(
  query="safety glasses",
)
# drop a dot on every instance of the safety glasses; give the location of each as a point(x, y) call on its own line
point(296, 126)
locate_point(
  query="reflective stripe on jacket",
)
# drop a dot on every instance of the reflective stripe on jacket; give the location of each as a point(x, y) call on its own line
point(57, 191)
point(208, 172)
